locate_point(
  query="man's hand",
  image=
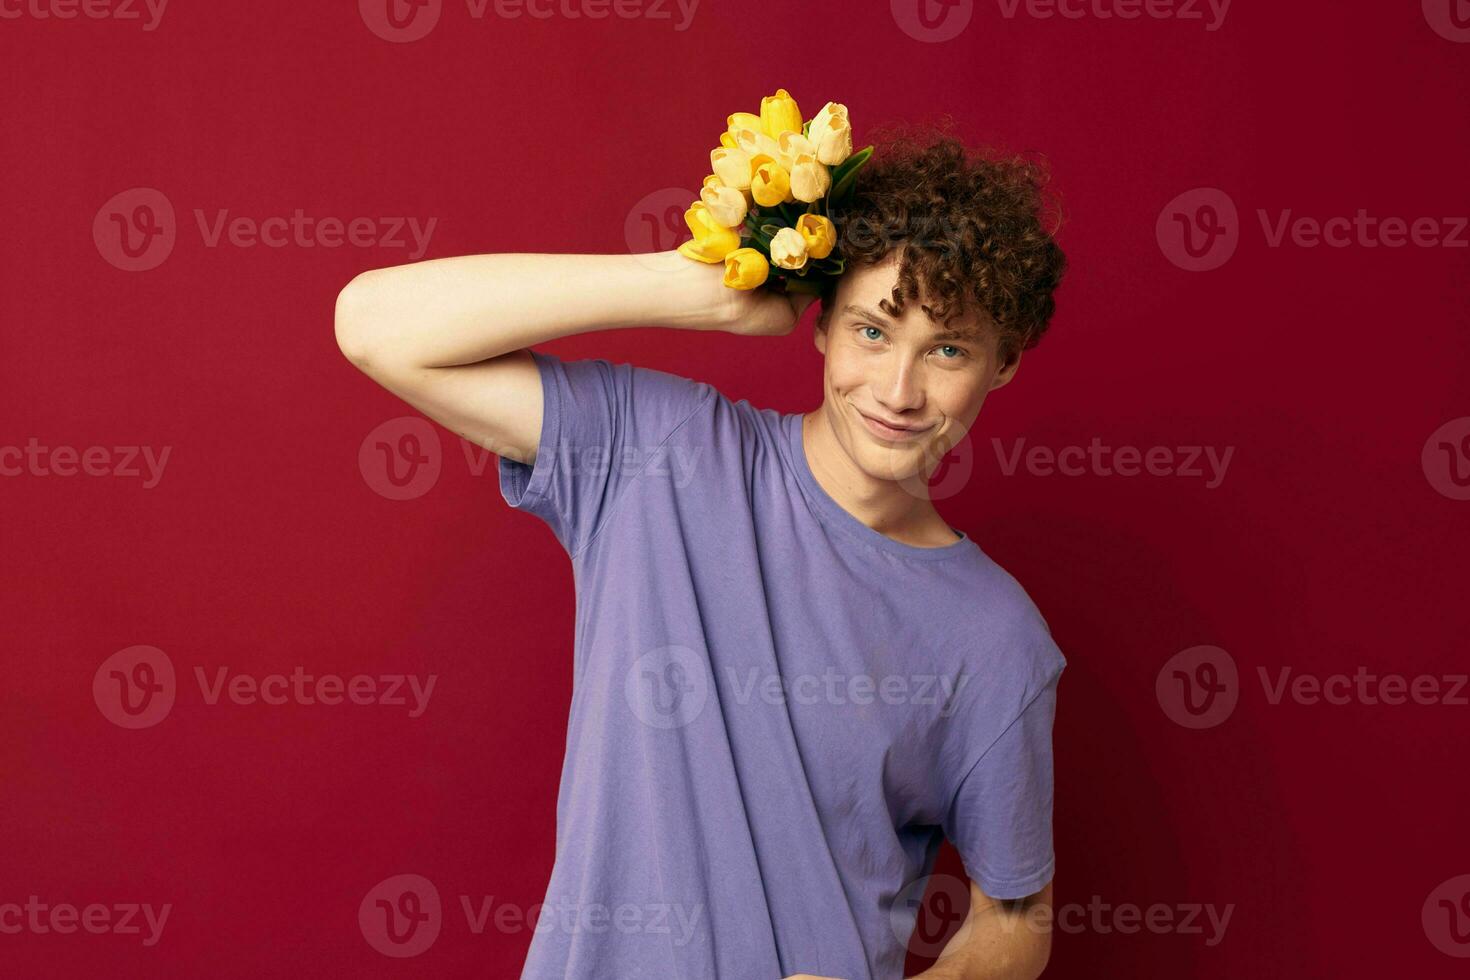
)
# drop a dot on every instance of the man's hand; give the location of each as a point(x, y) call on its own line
point(759, 312)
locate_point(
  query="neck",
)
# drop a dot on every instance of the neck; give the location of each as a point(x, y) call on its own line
point(886, 506)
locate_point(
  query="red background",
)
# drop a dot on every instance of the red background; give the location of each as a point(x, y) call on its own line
point(1326, 548)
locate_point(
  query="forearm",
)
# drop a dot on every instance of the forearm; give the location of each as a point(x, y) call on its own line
point(469, 308)
point(1005, 941)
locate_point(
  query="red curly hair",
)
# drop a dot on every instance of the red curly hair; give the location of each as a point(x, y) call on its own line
point(973, 230)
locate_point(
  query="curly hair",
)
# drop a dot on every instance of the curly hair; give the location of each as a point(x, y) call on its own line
point(969, 228)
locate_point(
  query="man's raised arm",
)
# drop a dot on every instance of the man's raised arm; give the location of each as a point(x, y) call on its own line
point(449, 335)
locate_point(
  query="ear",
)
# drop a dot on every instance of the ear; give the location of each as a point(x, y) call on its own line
point(1007, 372)
point(819, 330)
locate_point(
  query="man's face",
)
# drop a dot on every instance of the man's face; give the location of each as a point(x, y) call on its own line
point(911, 372)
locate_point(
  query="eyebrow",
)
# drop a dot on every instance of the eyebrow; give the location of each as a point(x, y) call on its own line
point(871, 314)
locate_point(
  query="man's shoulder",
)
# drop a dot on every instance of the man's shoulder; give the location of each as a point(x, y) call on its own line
point(1006, 615)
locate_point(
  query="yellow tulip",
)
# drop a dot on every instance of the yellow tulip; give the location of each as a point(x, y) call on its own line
point(809, 179)
point(732, 165)
point(788, 249)
point(819, 233)
point(712, 241)
point(746, 268)
point(791, 145)
point(742, 120)
point(832, 133)
point(779, 114)
point(755, 142)
point(770, 185)
point(726, 204)
point(727, 140)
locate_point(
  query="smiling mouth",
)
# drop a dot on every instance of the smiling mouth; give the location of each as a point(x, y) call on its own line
point(892, 432)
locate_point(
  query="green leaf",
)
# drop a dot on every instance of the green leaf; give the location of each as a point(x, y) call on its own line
point(794, 285)
point(845, 174)
point(771, 229)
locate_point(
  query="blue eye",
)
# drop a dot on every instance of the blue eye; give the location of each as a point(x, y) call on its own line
point(879, 332)
point(953, 348)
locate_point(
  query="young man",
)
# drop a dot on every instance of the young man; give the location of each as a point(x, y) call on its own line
point(791, 678)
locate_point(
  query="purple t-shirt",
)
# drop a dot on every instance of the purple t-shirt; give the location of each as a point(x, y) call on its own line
point(777, 712)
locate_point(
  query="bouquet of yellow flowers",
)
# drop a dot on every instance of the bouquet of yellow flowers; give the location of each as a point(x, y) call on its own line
point(765, 211)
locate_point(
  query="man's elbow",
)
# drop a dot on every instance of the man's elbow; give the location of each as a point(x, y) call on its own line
point(351, 323)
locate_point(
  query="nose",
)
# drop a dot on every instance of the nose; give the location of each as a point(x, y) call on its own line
point(899, 391)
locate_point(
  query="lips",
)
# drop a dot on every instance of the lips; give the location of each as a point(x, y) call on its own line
point(889, 432)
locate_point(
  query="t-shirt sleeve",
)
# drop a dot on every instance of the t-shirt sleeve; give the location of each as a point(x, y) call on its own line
point(1000, 820)
point(601, 423)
